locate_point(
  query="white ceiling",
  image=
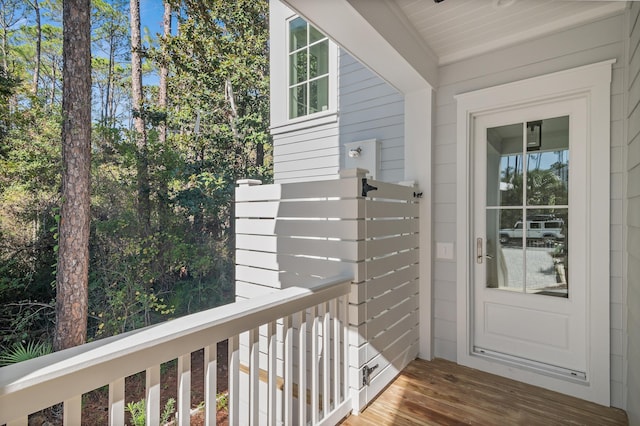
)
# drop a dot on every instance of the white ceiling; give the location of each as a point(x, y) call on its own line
point(458, 29)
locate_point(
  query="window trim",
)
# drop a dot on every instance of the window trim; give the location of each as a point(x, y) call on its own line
point(332, 95)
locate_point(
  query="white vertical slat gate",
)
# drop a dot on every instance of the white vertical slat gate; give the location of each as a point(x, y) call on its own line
point(296, 234)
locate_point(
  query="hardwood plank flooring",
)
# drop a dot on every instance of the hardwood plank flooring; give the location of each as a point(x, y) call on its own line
point(441, 392)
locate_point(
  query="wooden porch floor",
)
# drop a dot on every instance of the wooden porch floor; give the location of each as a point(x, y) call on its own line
point(444, 393)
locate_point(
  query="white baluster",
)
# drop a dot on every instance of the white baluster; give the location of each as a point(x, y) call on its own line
point(287, 394)
point(184, 390)
point(272, 372)
point(315, 386)
point(254, 376)
point(326, 358)
point(210, 384)
point(234, 380)
point(72, 411)
point(153, 395)
point(302, 369)
point(334, 306)
point(116, 403)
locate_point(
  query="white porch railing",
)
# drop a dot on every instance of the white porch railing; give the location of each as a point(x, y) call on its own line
point(300, 325)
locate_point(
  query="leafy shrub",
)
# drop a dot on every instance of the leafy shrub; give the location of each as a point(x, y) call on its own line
point(19, 352)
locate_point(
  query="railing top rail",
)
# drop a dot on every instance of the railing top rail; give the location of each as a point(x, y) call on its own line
point(74, 371)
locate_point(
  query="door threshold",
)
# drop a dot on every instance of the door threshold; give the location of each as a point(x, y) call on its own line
point(538, 367)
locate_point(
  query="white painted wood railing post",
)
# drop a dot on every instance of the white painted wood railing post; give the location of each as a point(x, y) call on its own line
point(116, 403)
point(153, 395)
point(210, 384)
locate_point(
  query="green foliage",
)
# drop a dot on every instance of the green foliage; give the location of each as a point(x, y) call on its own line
point(222, 401)
point(19, 352)
point(167, 412)
point(217, 121)
point(139, 414)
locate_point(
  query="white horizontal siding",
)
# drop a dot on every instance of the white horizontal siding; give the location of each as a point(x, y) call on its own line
point(371, 109)
point(582, 45)
point(306, 154)
point(633, 221)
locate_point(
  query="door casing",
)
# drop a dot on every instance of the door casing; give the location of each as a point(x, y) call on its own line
point(591, 83)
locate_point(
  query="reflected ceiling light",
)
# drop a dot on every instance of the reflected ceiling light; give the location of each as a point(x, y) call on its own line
point(534, 135)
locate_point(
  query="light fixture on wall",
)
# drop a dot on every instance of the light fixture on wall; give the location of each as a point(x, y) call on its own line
point(534, 135)
point(355, 152)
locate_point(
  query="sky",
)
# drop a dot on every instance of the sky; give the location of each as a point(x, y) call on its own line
point(151, 15)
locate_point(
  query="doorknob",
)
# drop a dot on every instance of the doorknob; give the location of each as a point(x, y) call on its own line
point(479, 255)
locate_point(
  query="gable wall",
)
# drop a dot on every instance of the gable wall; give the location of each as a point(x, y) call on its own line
point(370, 108)
point(583, 45)
point(633, 217)
point(363, 107)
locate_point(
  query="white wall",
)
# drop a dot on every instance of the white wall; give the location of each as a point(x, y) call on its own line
point(371, 109)
point(583, 45)
point(633, 218)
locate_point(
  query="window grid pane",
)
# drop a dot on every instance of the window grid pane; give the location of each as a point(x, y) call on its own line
point(297, 34)
point(308, 69)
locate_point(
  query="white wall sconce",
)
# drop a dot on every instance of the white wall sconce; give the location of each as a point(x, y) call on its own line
point(363, 154)
point(355, 152)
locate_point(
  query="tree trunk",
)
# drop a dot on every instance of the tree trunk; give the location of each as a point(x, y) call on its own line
point(36, 72)
point(144, 204)
point(163, 104)
point(73, 254)
point(164, 73)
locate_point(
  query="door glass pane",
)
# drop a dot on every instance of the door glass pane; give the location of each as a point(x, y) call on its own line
point(546, 252)
point(504, 251)
point(527, 242)
point(504, 165)
point(548, 162)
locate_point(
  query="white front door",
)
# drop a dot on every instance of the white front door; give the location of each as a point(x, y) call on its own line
point(529, 282)
point(533, 199)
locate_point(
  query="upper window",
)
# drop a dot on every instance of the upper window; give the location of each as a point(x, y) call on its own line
point(308, 69)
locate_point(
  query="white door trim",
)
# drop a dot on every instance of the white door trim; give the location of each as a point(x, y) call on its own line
point(591, 82)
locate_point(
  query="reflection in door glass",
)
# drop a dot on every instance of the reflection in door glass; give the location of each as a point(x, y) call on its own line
point(504, 165)
point(546, 253)
point(527, 242)
point(504, 255)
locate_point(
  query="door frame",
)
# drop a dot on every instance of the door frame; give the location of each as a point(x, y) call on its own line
point(591, 82)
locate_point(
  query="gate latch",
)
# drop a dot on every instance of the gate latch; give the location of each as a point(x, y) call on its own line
point(366, 187)
point(366, 374)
